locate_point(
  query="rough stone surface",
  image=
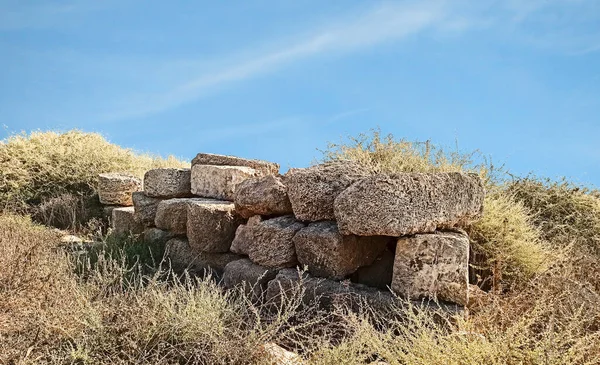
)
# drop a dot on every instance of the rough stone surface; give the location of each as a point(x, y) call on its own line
point(145, 208)
point(378, 274)
point(328, 254)
point(171, 214)
point(403, 204)
point(219, 182)
point(107, 212)
point(211, 225)
point(157, 236)
point(264, 167)
point(116, 189)
point(262, 196)
point(242, 240)
point(432, 266)
point(168, 183)
point(312, 191)
point(273, 354)
point(254, 278)
point(271, 242)
point(123, 221)
point(183, 257)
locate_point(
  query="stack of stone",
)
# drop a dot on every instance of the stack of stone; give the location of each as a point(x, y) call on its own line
point(355, 232)
point(115, 193)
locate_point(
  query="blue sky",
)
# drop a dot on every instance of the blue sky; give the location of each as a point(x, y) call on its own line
point(518, 80)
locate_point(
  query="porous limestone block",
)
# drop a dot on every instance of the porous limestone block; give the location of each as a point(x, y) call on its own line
point(183, 257)
point(145, 208)
point(243, 239)
point(168, 183)
point(313, 190)
point(219, 182)
point(264, 167)
point(271, 242)
point(262, 196)
point(252, 277)
point(171, 214)
point(211, 225)
point(116, 189)
point(157, 236)
point(123, 221)
point(327, 253)
point(402, 204)
point(432, 265)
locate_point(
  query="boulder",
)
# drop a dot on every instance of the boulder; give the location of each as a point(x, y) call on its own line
point(168, 183)
point(402, 204)
point(123, 221)
point(313, 190)
point(183, 257)
point(242, 240)
point(264, 167)
point(157, 236)
point(116, 189)
point(327, 253)
point(211, 225)
point(378, 274)
point(171, 214)
point(271, 244)
point(252, 277)
point(273, 354)
point(145, 208)
point(262, 196)
point(219, 182)
point(434, 265)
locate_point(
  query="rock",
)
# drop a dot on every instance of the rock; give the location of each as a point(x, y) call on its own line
point(313, 190)
point(271, 242)
point(211, 225)
point(123, 221)
point(432, 266)
point(145, 208)
point(264, 167)
point(168, 183)
point(219, 182)
point(254, 278)
point(328, 254)
point(157, 236)
point(68, 239)
point(171, 214)
point(183, 257)
point(262, 196)
point(116, 189)
point(273, 354)
point(107, 212)
point(378, 274)
point(243, 240)
point(403, 204)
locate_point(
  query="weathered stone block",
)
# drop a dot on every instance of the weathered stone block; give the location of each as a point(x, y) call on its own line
point(264, 167)
point(145, 208)
point(116, 189)
point(171, 214)
point(262, 196)
point(157, 236)
point(123, 221)
point(313, 190)
point(328, 254)
point(378, 274)
point(183, 257)
point(433, 266)
point(168, 183)
point(271, 242)
point(243, 238)
point(211, 225)
point(219, 182)
point(403, 204)
point(254, 278)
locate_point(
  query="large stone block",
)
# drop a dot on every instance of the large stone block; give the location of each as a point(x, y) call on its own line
point(262, 196)
point(243, 237)
point(264, 167)
point(183, 257)
point(168, 183)
point(211, 225)
point(271, 242)
point(252, 277)
point(378, 274)
point(116, 189)
point(434, 265)
point(219, 182)
point(171, 214)
point(403, 204)
point(145, 208)
point(123, 221)
point(313, 190)
point(157, 236)
point(328, 254)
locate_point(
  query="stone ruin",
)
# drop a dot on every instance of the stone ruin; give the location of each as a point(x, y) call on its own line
point(337, 227)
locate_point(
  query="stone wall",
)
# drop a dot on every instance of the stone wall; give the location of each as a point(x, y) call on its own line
point(355, 232)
